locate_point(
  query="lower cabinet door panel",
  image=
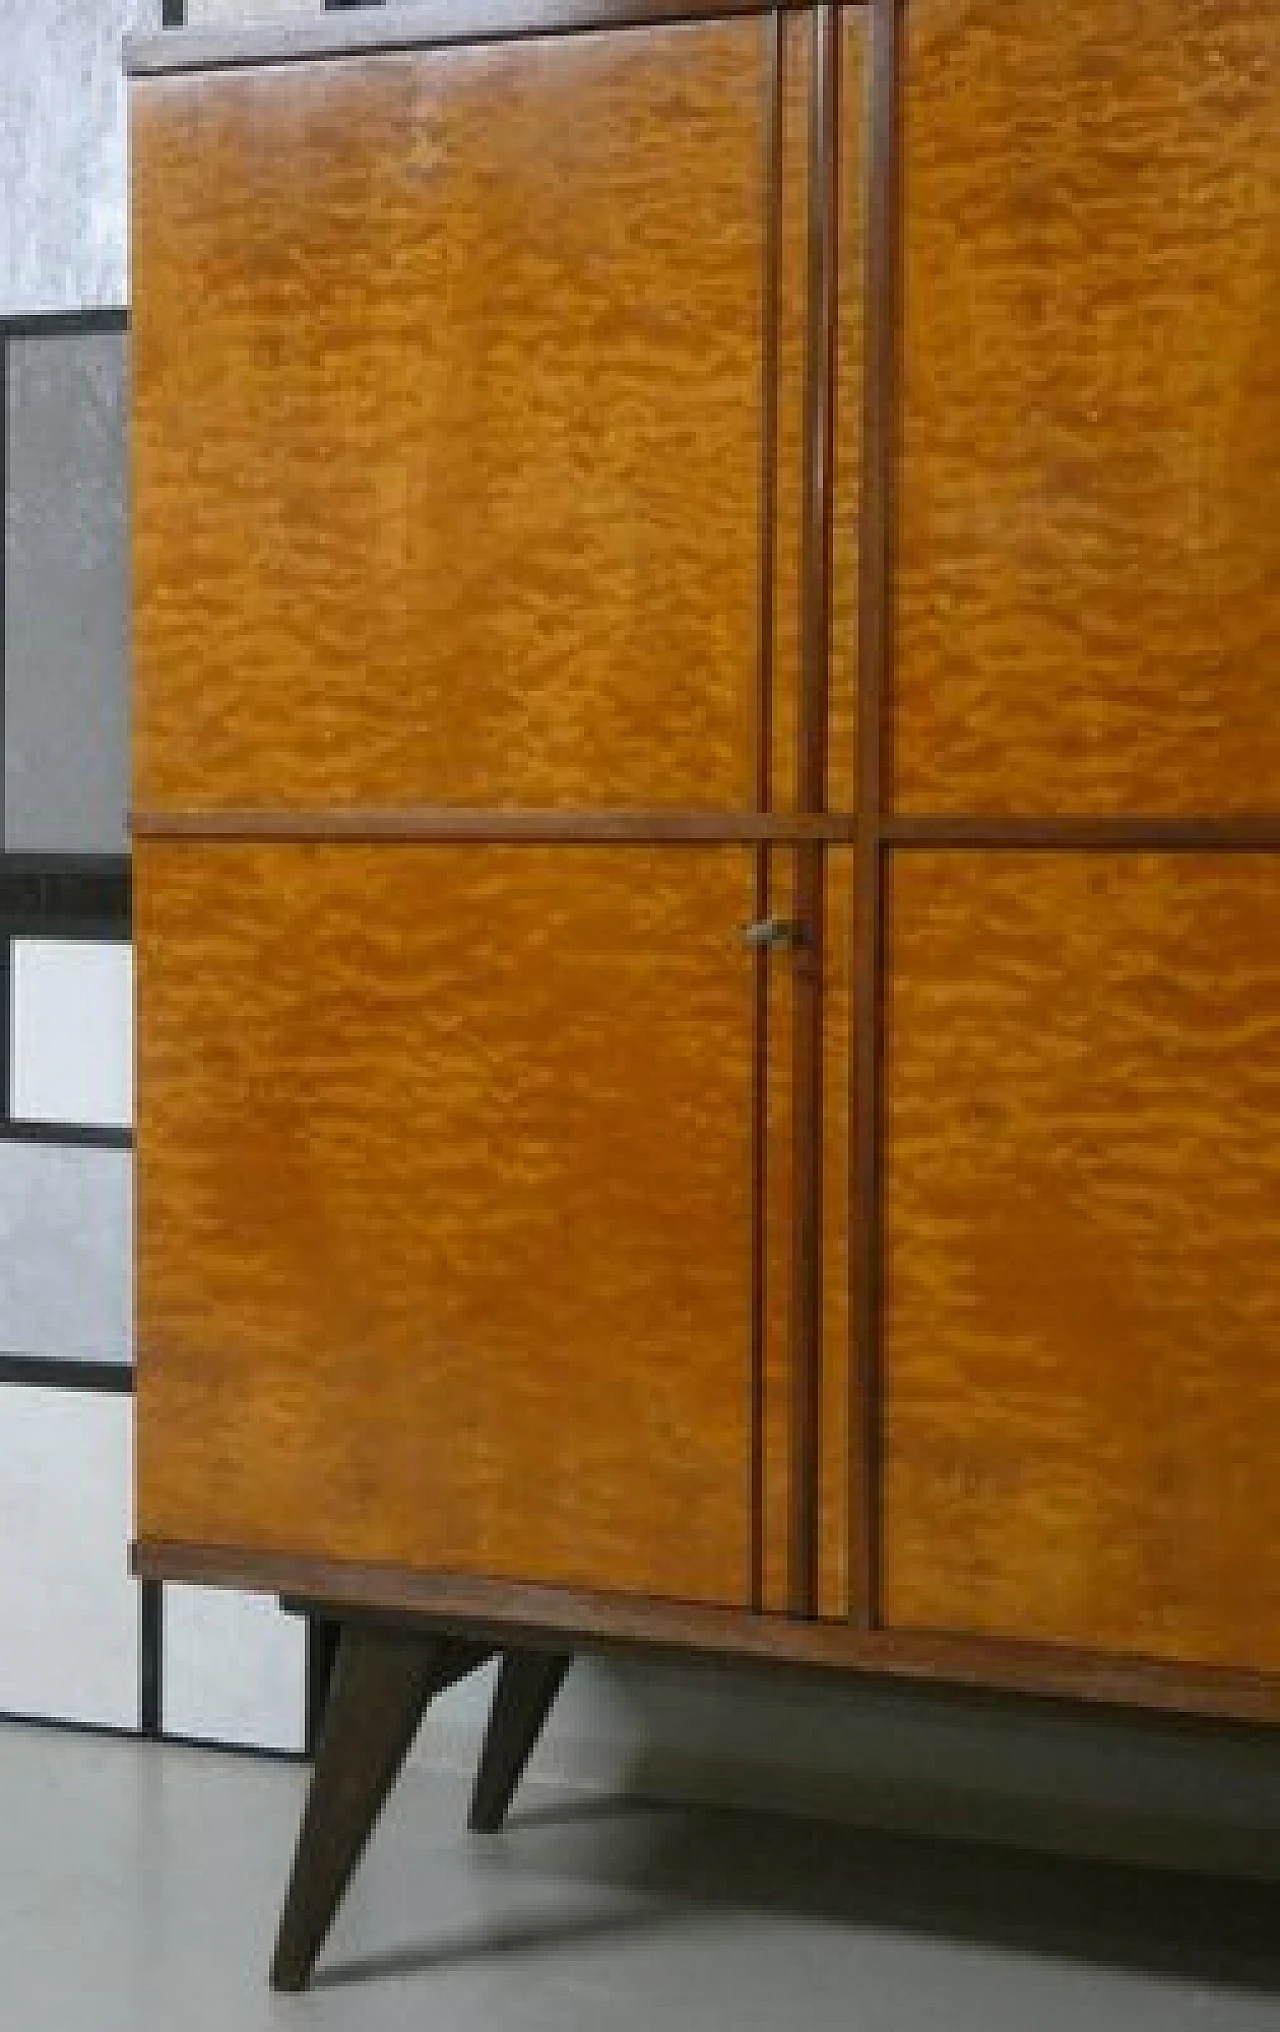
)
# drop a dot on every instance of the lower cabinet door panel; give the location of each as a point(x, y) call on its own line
point(1082, 1230)
point(445, 1208)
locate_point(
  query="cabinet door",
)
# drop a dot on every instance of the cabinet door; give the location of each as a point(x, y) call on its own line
point(448, 441)
point(1082, 1335)
point(1089, 544)
point(445, 1209)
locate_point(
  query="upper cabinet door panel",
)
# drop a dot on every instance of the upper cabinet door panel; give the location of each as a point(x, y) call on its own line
point(447, 441)
point(1089, 544)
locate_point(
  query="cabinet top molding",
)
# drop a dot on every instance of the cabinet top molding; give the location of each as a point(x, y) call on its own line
point(418, 24)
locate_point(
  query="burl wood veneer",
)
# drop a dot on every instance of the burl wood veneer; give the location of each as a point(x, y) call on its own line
point(451, 381)
point(447, 1209)
point(1088, 599)
point(1082, 1306)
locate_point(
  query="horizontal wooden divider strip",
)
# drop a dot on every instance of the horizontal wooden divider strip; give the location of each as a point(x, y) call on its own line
point(433, 24)
point(1239, 833)
point(508, 1609)
point(504, 828)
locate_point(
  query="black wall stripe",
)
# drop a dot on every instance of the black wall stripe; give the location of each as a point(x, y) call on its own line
point(151, 1657)
point(65, 896)
point(51, 1372)
point(4, 627)
point(54, 324)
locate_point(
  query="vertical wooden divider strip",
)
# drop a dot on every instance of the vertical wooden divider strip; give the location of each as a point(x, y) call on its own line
point(875, 670)
point(774, 87)
point(787, 607)
point(839, 1339)
point(811, 793)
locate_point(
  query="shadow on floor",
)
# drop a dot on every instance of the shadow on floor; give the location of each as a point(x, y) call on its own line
point(637, 1868)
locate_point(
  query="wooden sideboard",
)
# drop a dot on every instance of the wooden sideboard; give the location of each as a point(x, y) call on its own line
point(706, 630)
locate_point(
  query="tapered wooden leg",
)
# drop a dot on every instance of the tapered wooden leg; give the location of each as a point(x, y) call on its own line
point(322, 1654)
point(527, 1687)
point(382, 1682)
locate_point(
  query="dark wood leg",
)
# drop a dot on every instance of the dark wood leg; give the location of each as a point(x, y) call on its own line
point(383, 1680)
point(322, 1653)
point(527, 1687)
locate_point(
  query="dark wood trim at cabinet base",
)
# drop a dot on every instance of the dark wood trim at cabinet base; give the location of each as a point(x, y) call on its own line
point(507, 1614)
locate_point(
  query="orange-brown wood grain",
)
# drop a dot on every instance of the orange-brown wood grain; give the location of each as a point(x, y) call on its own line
point(795, 61)
point(838, 1432)
point(842, 737)
point(778, 1397)
point(505, 1611)
point(1088, 610)
point(782, 1354)
point(447, 425)
point(444, 1209)
point(1082, 1323)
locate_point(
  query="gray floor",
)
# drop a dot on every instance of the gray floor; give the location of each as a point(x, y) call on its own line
point(138, 1888)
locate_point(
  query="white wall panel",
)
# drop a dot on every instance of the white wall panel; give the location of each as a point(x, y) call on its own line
point(233, 12)
point(234, 1668)
point(72, 1032)
point(62, 151)
point(68, 1608)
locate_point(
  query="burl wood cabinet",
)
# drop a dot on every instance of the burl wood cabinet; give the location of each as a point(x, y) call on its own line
point(707, 812)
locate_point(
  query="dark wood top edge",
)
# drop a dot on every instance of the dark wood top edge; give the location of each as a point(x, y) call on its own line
point(441, 825)
point(1241, 833)
point(506, 1610)
point(425, 24)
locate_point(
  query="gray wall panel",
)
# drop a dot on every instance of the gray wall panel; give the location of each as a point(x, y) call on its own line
point(62, 151)
point(66, 595)
point(65, 1252)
